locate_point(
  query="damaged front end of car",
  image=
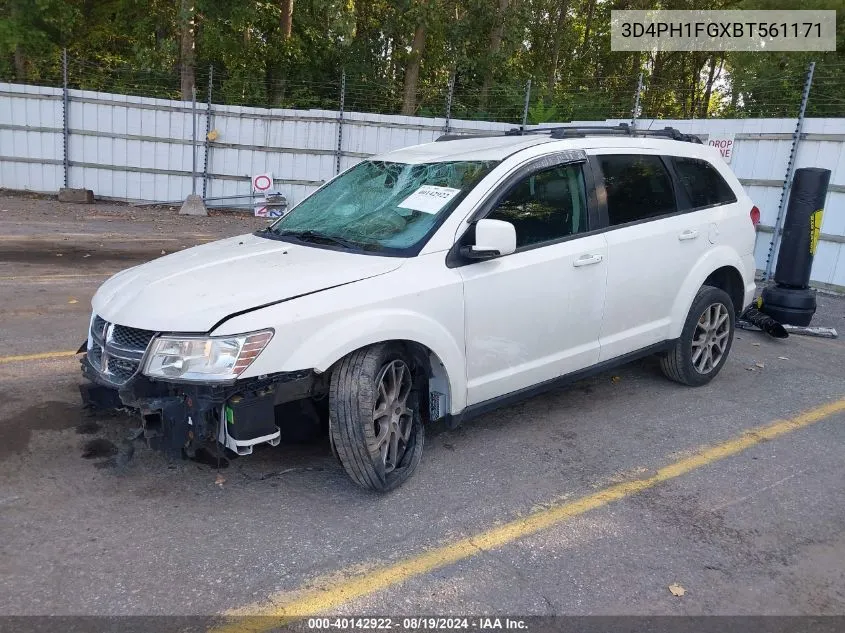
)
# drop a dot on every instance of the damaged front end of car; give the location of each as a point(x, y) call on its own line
point(186, 390)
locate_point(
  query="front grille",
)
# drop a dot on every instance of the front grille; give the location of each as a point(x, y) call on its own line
point(131, 337)
point(116, 351)
point(121, 369)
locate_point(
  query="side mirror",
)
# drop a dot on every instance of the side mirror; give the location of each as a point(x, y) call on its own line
point(493, 238)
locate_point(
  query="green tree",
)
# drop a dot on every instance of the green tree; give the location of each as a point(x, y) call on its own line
point(400, 56)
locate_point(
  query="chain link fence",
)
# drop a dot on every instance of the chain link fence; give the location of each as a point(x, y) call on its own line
point(572, 98)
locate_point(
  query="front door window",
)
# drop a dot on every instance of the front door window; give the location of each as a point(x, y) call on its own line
point(546, 206)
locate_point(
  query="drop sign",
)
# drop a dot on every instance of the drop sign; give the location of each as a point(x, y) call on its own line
point(725, 145)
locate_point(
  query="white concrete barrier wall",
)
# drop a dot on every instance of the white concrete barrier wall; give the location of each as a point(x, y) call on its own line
point(140, 149)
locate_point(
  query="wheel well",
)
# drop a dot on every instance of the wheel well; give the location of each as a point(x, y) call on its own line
point(727, 278)
point(432, 376)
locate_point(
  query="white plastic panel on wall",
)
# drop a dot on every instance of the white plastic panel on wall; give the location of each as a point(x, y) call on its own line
point(138, 148)
point(31, 132)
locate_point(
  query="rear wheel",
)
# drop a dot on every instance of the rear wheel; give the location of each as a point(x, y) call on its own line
point(703, 347)
point(375, 427)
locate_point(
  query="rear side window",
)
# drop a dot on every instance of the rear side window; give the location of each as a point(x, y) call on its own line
point(703, 184)
point(638, 187)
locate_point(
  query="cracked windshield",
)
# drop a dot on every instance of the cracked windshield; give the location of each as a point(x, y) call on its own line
point(380, 205)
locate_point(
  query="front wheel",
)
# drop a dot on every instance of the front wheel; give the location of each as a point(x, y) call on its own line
point(702, 349)
point(374, 420)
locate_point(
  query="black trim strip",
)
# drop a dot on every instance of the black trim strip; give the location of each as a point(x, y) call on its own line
point(594, 217)
point(682, 201)
point(481, 408)
point(673, 182)
point(601, 192)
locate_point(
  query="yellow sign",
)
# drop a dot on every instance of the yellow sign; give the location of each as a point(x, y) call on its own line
point(815, 229)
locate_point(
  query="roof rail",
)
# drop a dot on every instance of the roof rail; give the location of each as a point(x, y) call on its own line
point(580, 131)
point(621, 129)
point(464, 137)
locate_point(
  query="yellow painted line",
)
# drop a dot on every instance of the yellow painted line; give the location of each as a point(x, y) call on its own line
point(283, 607)
point(41, 356)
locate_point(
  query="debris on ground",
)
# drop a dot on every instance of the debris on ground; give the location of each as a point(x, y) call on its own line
point(220, 480)
point(822, 332)
point(677, 590)
point(753, 318)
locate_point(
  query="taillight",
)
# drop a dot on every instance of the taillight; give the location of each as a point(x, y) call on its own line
point(755, 216)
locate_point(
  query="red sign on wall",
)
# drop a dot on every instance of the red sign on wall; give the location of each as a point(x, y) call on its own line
point(725, 144)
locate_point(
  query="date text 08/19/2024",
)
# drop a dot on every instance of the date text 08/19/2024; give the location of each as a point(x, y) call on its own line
point(415, 623)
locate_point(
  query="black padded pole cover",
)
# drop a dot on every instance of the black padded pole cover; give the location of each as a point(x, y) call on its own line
point(801, 227)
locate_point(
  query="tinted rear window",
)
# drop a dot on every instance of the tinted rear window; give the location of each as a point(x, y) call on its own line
point(703, 184)
point(638, 187)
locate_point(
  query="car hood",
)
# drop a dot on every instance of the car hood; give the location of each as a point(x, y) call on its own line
point(192, 290)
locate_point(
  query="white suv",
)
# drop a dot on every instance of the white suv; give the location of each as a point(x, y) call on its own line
point(436, 281)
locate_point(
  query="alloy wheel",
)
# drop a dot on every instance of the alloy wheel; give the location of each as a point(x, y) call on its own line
point(710, 338)
point(392, 418)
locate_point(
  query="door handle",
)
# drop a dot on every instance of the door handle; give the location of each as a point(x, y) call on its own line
point(586, 260)
point(689, 234)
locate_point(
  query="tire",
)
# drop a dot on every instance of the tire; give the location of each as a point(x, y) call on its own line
point(790, 298)
point(792, 306)
point(378, 453)
point(690, 367)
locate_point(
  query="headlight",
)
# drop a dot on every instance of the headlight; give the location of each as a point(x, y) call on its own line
point(210, 358)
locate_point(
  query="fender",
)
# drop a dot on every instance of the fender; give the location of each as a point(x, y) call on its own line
point(328, 345)
point(713, 259)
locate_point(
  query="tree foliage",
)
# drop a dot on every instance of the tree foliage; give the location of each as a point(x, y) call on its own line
point(401, 55)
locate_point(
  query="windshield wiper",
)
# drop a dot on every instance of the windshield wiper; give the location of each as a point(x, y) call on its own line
point(323, 238)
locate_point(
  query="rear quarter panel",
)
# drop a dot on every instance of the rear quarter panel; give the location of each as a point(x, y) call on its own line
point(732, 238)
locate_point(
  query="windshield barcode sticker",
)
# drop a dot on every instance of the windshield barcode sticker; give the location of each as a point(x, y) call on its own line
point(429, 199)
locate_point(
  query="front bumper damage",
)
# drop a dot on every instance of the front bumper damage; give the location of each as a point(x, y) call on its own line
point(180, 418)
